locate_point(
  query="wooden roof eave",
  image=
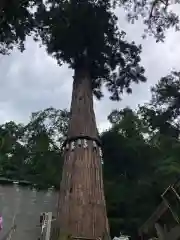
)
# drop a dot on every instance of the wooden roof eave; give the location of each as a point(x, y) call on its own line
point(149, 224)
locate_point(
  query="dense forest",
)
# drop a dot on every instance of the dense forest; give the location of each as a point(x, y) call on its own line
point(140, 153)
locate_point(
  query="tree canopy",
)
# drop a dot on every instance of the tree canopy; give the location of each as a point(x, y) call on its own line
point(85, 35)
point(16, 22)
point(158, 15)
point(62, 20)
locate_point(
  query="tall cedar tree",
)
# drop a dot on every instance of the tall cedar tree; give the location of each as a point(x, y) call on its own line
point(157, 15)
point(85, 35)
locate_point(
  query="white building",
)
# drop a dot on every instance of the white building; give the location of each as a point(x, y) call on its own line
point(122, 237)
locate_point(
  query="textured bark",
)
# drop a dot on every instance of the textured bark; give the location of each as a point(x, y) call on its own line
point(82, 120)
point(82, 209)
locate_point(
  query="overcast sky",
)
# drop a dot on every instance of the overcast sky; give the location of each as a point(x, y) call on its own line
point(32, 81)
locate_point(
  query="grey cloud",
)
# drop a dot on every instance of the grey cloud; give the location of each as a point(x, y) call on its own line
point(32, 81)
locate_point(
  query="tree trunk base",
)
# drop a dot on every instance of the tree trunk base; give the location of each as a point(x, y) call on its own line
point(82, 207)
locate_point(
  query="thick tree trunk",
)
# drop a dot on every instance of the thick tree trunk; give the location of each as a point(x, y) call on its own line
point(82, 209)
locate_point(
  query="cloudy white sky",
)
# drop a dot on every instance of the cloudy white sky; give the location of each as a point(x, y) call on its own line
point(32, 81)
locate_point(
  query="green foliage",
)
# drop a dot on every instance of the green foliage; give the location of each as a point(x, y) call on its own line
point(157, 15)
point(85, 35)
point(128, 172)
point(166, 94)
point(91, 22)
point(33, 152)
point(16, 22)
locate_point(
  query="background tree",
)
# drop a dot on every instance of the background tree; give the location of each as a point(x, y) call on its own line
point(157, 15)
point(11, 155)
point(44, 135)
point(33, 152)
point(161, 115)
point(141, 156)
point(16, 23)
point(128, 173)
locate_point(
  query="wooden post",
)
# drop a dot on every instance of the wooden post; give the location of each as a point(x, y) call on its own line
point(48, 227)
point(160, 232)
